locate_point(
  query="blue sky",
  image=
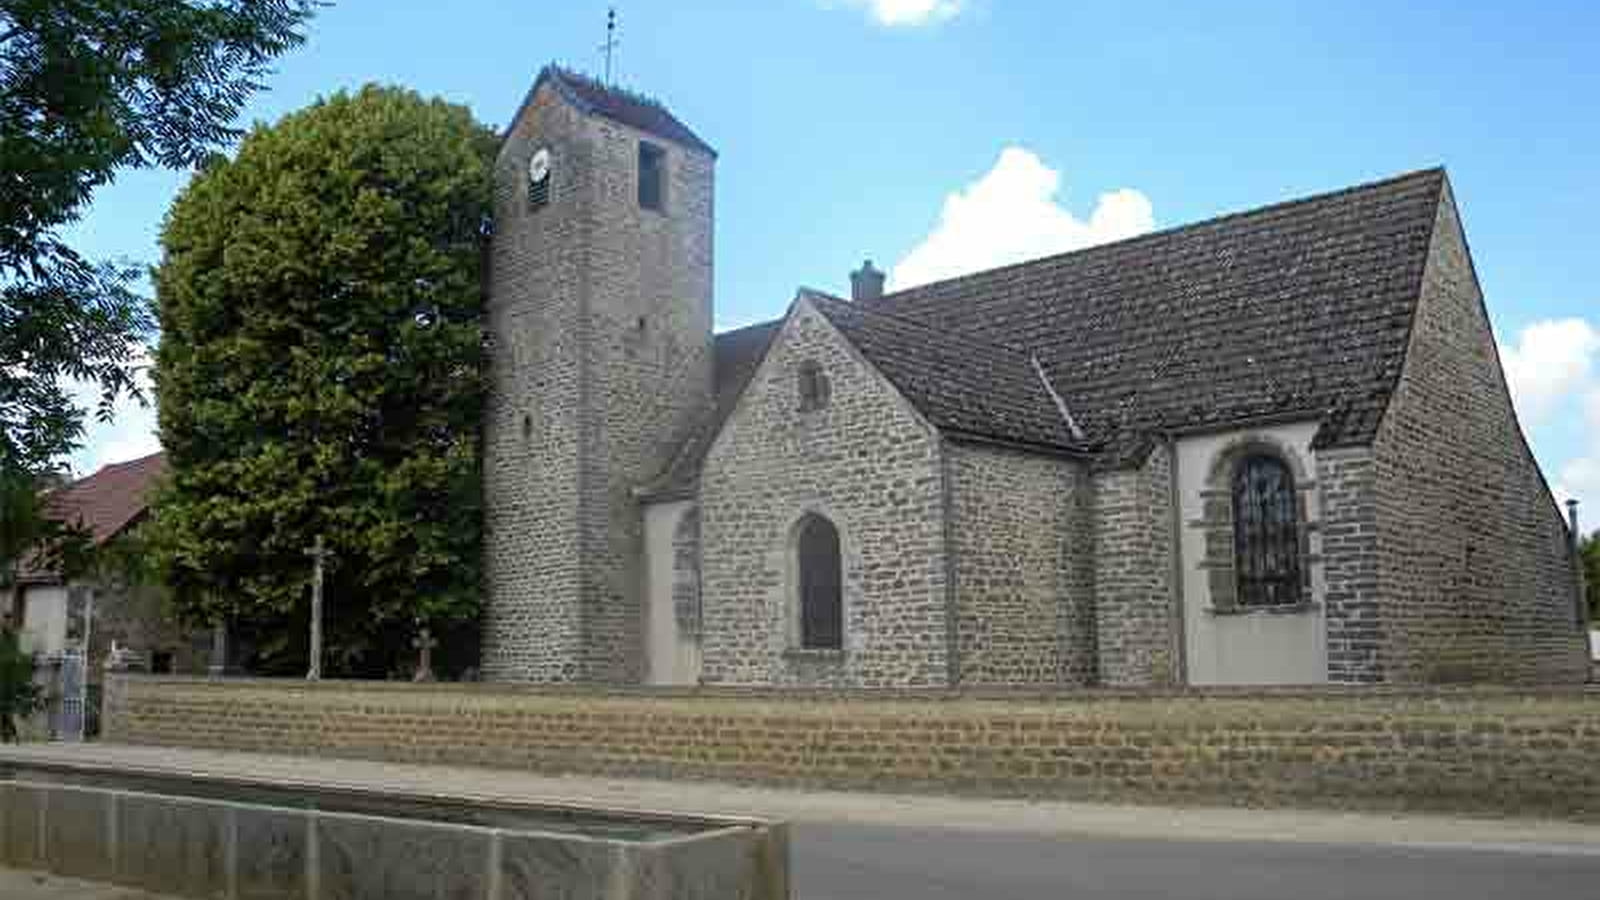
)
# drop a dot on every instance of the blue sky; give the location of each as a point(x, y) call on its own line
point(945, 135)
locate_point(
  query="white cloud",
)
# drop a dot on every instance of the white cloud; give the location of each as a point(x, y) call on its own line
point(1580, 477)
point(130, 434)
point(893, 13)
point(1550, 361)
point(1553, 366)
point(1012, 213)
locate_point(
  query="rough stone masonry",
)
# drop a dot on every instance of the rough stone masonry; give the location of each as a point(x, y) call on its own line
point(1274, 447)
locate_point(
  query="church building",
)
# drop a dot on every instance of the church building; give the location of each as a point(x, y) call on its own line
point(1275, 447)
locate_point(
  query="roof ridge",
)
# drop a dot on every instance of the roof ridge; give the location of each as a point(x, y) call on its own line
point(911, 322)
point(593, 97)
point(573, 74)
point(750, 327)
point(1267, 209)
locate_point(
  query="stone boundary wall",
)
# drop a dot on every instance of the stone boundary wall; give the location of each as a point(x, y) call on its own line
point(1476, 750)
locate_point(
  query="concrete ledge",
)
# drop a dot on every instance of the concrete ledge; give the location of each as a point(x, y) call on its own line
point(195, 846)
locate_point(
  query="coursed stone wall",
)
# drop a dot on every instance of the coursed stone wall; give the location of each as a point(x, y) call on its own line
point(1133, 591)
point(1475, 573)
point(1350, 565)
point(600, 321)
point(1474, 750)
point(1022, 542)
point(868, 463)
point(531, 435)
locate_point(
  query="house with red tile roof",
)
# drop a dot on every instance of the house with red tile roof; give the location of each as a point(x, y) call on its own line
point(56, 612)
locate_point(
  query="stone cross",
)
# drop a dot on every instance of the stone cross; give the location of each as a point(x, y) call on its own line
point(219, 650)
point(425, 642)
point(319, 554)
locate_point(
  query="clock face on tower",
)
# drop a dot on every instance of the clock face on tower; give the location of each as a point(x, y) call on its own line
point(539, 177)
point(539, 165)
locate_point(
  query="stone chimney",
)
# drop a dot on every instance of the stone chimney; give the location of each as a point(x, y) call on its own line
point(866, 283)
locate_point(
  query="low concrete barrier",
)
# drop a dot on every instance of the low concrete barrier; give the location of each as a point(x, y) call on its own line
point(1465, 750)
point(176, 837)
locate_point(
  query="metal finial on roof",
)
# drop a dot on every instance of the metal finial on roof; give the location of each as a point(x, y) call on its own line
point(612, 42)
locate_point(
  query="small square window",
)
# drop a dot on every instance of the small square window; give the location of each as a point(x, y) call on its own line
point(652, 176)
point(813, 387)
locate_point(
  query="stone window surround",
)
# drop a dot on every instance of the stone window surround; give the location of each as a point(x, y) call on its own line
point(812, 386)
point(1216, 522)
point(793, 648)
point(663, 176)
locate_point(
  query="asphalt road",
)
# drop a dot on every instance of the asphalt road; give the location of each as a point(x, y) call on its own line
point(851, 862)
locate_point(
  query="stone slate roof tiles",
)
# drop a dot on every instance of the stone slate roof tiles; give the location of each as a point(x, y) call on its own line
point(735, 357)
point(617, 104)
point(1299, 310)
point(962, 385)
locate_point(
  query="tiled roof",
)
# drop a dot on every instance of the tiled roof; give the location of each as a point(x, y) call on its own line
point(617, 104)
point(104, 503)
point(1296, 310)
point(961, 384)
point(1301, 308)
point(111, 499)
point(736, 355)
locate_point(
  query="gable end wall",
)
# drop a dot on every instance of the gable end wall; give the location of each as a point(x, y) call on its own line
point(1475, 575)
point(870, 464)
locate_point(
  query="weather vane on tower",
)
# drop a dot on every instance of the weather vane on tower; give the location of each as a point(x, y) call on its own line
point(612, 42)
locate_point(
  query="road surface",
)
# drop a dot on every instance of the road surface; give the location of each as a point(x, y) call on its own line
point(851, 862)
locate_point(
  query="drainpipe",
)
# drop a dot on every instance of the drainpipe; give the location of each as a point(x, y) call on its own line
point(1180, 636)
point(1577, 563)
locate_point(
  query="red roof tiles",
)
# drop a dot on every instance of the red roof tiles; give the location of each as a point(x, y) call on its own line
point(109, 500)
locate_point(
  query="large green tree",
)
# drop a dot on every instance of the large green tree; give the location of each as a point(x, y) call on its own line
point(87, 88)
point(320, 373)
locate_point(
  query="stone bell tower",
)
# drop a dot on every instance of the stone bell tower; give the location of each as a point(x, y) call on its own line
point(599, 314)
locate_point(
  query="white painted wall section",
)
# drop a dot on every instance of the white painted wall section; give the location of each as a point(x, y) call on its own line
point(673, 658)
point(1258, 646)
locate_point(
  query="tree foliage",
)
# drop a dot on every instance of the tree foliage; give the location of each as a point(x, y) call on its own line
point(320, 373)
point(88, 87)
point(20, 695)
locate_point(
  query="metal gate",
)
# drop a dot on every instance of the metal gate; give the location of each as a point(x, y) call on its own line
point(68, 699)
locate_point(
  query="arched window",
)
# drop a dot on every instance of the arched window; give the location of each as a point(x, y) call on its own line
point(821, 597)
point(1266, 532)
point(686, 576)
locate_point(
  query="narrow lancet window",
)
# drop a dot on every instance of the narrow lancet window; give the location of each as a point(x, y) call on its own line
point(652, 176)
point(821, 581)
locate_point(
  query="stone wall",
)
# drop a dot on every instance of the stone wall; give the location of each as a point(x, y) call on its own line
point(868, 463)
point(1350, 565)
point(1475, 750)
point(1133, 574)
point(1476, 577)
point(1021, 539)
point(600, 321)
